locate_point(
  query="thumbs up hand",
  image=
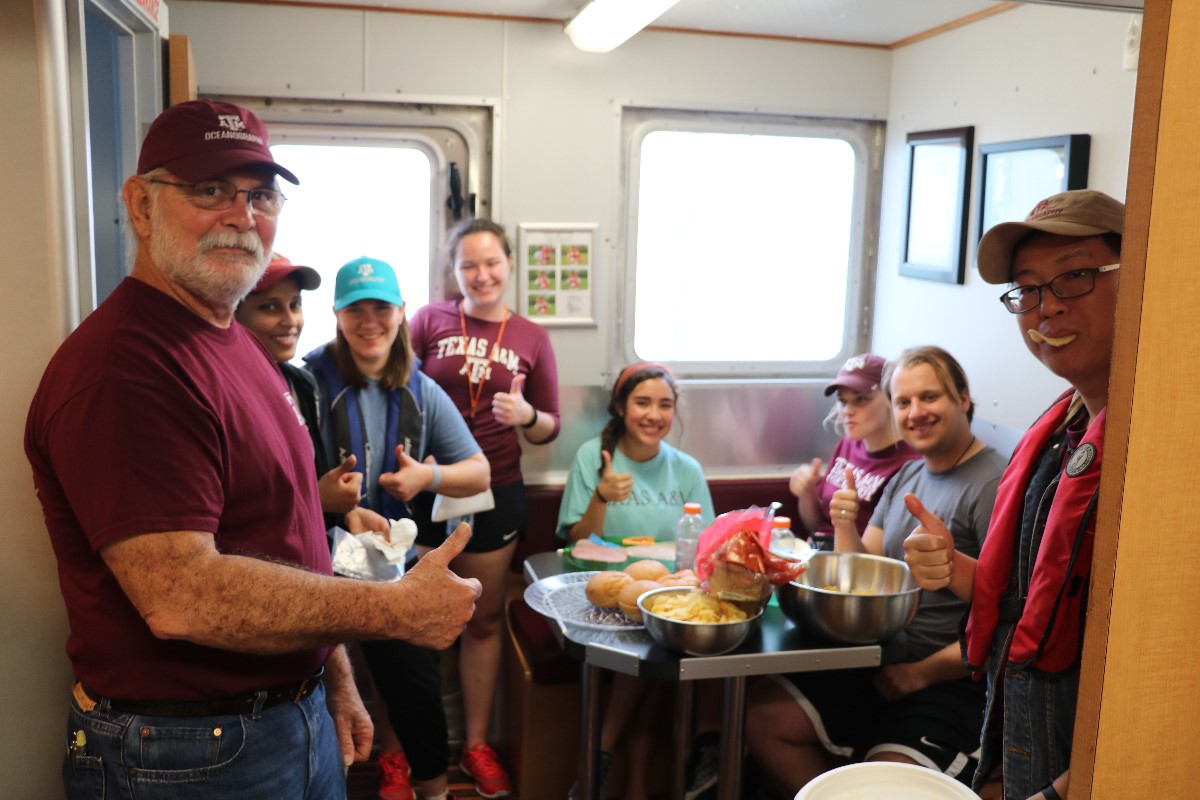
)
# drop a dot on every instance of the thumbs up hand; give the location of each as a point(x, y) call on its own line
point(340, 488)
point(929, 549)
point(805, 478)
point(511, 408)
point(843, 506)
point(614, 486)
point(439, 603)
point(410, 478)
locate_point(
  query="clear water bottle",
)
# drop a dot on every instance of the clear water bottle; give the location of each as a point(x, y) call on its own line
point(782, 539)
point(687, 536)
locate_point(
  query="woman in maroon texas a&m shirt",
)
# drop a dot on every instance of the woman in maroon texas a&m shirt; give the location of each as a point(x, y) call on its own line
point(500, 371)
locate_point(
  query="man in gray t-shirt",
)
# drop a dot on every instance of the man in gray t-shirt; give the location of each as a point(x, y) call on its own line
point(962, 497)
point(922, 708)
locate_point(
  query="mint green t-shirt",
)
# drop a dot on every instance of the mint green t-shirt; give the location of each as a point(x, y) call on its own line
point(660, 488)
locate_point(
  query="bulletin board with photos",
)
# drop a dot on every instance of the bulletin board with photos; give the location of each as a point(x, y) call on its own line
point(556, 273)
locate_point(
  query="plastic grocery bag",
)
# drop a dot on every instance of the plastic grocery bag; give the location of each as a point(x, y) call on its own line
point(733, 558)
point(372, 556)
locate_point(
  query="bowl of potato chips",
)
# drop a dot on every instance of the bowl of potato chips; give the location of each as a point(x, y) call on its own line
point(691, 621)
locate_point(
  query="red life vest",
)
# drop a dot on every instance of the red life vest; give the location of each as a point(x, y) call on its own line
point(1047, 636)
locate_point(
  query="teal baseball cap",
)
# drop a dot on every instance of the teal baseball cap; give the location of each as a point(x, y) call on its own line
point(366, 279)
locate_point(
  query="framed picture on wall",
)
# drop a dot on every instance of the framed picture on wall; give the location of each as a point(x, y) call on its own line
point(935, 227)
point(556, 273)
point(1016, 176)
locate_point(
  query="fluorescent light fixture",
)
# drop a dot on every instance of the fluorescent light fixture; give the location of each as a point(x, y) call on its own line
point(603, 25)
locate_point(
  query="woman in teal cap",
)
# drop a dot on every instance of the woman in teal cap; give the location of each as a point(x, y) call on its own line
point(408, 440)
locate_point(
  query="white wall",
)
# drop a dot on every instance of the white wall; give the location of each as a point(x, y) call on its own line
point(1032, 72)
point(36, 676)
point(559, 154)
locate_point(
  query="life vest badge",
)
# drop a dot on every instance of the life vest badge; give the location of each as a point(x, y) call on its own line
point(1081, 459)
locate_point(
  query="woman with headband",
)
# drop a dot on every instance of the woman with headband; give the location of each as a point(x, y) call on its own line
point(630, 482)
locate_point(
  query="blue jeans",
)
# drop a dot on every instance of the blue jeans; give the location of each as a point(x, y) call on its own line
point(1039, 719)
point(286, 752)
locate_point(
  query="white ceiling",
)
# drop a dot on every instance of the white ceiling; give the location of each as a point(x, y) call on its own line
point(862, 21)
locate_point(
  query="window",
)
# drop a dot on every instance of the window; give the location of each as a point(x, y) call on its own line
point(745, 243)
point(381, 179)
point(328, 221)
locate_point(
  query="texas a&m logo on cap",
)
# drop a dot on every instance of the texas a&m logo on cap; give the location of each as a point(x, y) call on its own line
point(231, 122)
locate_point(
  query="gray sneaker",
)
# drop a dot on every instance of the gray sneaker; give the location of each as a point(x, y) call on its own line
point(704, 773)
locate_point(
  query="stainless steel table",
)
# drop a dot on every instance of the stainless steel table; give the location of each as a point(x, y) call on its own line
point(775, 646)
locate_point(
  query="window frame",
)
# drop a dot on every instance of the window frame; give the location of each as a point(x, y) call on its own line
point(138, 96)
point(441, 129)
point(866, 139)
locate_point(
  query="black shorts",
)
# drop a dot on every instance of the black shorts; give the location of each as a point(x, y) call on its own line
point(937, 727)
point(490, 530)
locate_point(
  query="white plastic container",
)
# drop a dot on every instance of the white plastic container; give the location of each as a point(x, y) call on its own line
point(882, 780)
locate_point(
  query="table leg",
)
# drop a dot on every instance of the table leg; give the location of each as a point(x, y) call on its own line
point(683, 737)
point(729, 786)
point(589, 740)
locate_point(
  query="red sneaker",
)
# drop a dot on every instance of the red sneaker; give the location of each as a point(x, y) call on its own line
point(481, 764)
point(393, 777)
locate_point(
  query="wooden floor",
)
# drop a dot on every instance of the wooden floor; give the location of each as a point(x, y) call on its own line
point(362, 783)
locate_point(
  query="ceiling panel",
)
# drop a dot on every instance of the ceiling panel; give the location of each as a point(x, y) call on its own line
point(863, 21)
point(878, 22)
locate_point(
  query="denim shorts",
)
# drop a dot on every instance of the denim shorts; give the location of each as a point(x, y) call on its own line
point(285, 752)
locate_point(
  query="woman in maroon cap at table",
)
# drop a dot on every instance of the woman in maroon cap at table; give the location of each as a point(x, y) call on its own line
point(274, 313)
point(870, 445)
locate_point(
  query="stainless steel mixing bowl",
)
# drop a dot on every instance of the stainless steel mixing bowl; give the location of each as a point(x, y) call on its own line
point(874, 599)
point(694, 638)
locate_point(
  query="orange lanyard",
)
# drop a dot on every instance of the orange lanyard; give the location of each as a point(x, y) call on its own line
point(475, 390)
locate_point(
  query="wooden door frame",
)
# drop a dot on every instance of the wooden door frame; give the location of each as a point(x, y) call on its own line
point(1139, 709)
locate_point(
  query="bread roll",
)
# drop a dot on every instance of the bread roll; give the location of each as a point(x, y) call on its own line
point(627, 599)
point(647, 570)
point(604, 587)
point(684, 577)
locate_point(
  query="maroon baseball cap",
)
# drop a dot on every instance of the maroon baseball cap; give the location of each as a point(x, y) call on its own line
point(204, 139)
point(280, 268)
point(862, 373)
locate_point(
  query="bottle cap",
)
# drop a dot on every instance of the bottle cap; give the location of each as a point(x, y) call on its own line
point(782, 522)
point(692, 508)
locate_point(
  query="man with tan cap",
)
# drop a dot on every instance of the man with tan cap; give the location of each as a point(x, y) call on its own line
point(179, 491)
point(1028, 590)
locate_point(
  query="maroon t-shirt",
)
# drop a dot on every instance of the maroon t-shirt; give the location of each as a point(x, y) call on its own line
point(150, 419)
point(437, 339)
point(872, 471)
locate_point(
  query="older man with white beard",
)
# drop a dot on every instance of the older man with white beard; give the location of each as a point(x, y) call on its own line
point(178, 486)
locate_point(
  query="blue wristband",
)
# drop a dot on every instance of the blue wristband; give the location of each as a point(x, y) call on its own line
point(437, 478)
